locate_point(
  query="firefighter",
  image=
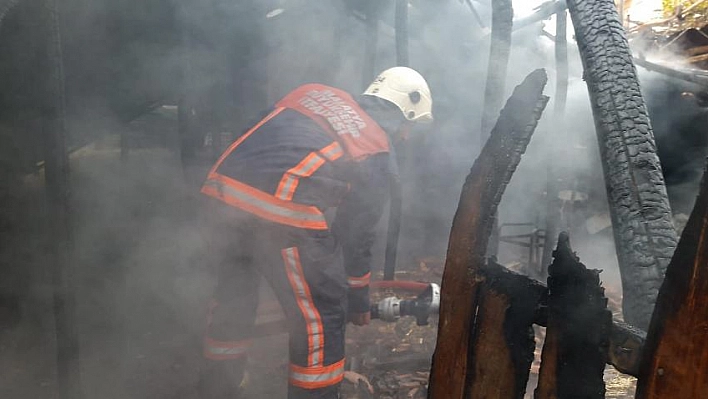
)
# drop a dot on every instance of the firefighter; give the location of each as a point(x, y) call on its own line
point(318, 149)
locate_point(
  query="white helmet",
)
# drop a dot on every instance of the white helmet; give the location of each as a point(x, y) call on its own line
point(405, 88)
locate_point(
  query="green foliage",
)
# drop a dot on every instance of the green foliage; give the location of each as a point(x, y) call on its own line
point(669, 6)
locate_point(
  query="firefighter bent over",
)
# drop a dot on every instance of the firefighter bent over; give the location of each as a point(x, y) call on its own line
point(317, 149)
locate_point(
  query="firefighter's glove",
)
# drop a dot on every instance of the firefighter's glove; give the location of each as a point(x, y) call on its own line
point(360, 319)
point(359, 300)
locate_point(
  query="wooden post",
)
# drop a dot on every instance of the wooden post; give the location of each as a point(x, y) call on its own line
point(394, 227)
point(543, 12)
point(371, 44)
point(499, 48)
point(451, 374)
point(58, 196)
point(402, 32)
point(675, 363)
point(553, 216)
point(578, 331)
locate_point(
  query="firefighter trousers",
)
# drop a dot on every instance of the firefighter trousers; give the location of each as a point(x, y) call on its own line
point(306, 272)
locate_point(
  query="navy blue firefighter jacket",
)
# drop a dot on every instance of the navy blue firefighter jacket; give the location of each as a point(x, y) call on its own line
point(316, 150)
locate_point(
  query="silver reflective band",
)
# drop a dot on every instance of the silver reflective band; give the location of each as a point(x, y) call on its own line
point(317, 377)
point(268, 207)
point(333, 152)
point(287, 187)
point(307, 168)
point(309, 311)
point(357, 283)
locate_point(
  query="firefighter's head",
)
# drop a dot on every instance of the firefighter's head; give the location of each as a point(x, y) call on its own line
point(398, 97)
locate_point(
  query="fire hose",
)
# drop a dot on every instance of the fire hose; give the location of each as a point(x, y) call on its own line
point(392, 308)
point(389, 309)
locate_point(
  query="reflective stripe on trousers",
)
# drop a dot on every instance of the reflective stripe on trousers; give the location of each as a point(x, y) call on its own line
point(225, 350)
point(316, 377)
point(313, 321)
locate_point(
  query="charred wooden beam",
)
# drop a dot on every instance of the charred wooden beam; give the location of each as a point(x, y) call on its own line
point(371, 42)
point(543, 12)
point(626, 342)
point(639, 206)
point(58, 194)
point(499, 48)
point(577, 336)
point(626, 347)
point(396, 196)
point(401, 25)
point(394, 227)
point(5, 7)
point(553, 206)
point(697, 76)
point(504, 343)
point(477, 17)
point(675, 363)
point(696, 51)
point(481, 193)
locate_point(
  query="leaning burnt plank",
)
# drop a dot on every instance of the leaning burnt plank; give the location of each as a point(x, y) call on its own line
point(639, 206)
point(675, 363)
point(577, 335)
point(469, 236)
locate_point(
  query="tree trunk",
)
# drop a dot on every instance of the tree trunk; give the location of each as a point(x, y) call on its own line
point(639, 206)
point(469, 236)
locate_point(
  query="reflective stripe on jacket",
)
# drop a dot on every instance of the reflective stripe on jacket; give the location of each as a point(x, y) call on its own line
point(298, 160)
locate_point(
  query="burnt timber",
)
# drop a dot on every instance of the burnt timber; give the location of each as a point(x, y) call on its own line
point(675, 363)
point(499, 50)
point(453, 358)
point(625, 342)
point(577, 336)
point(639, 206)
